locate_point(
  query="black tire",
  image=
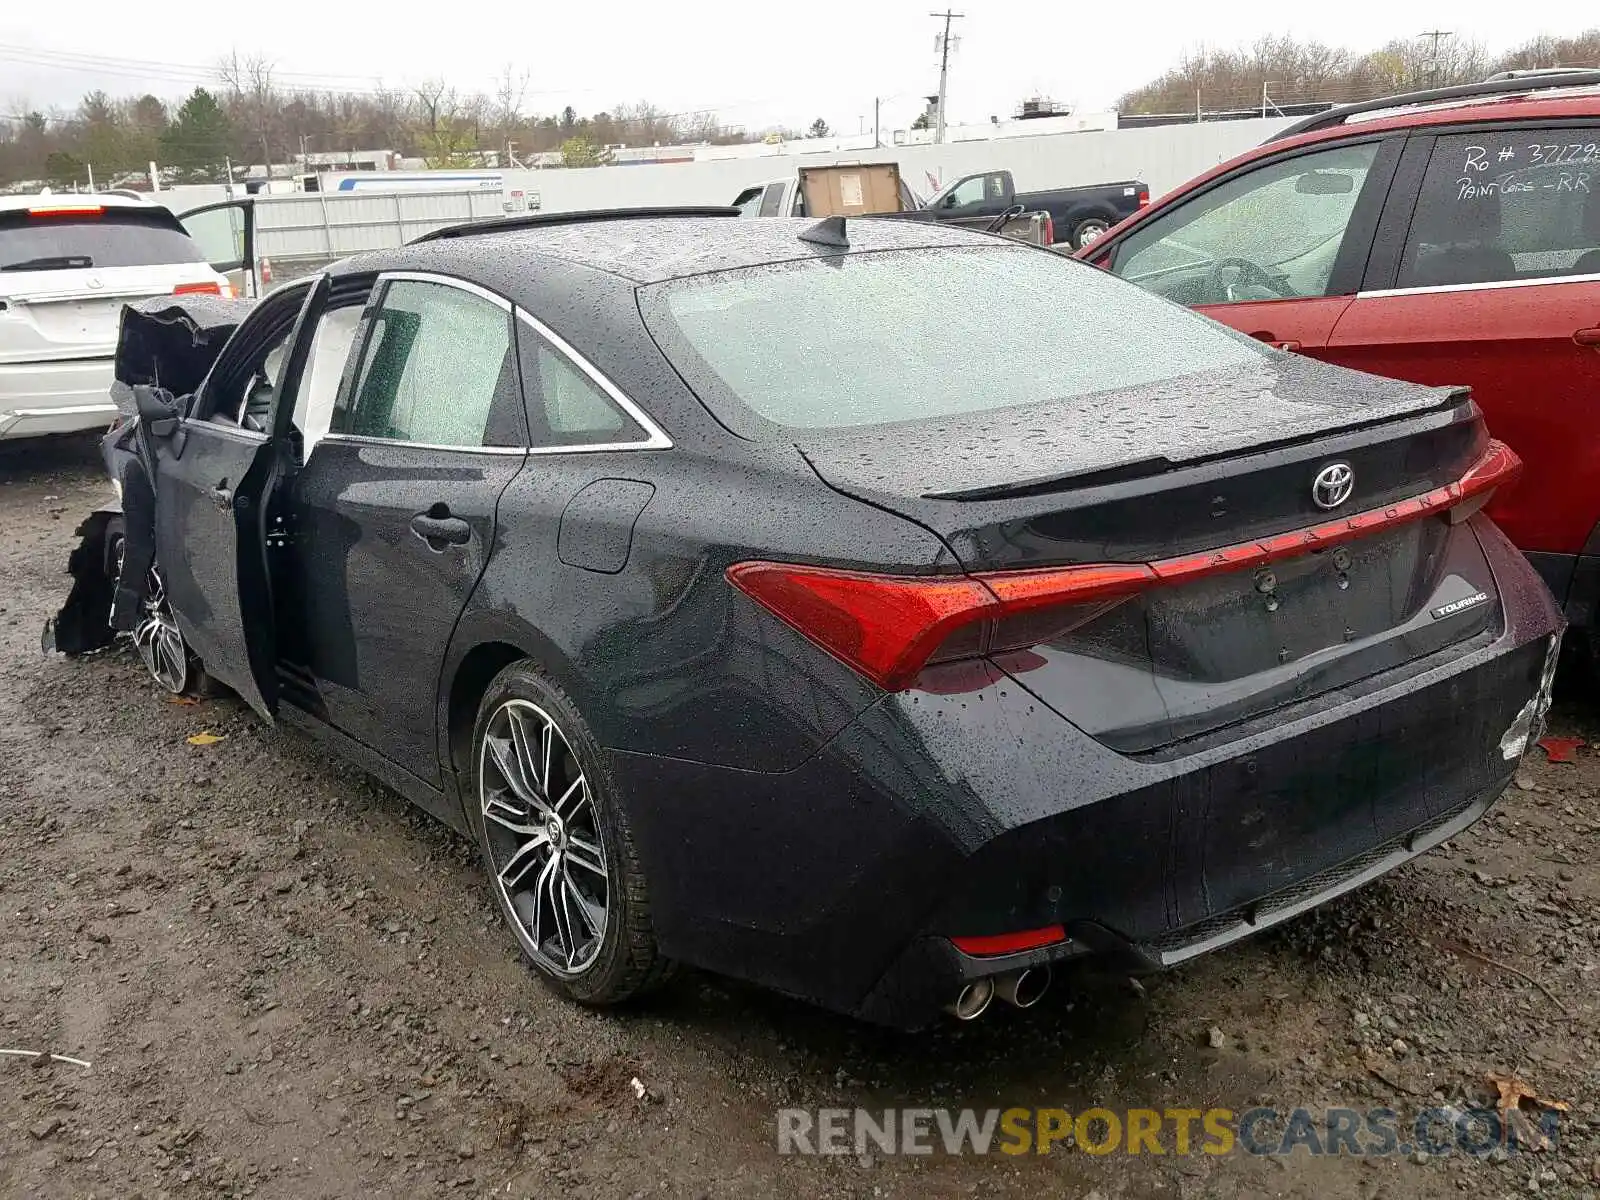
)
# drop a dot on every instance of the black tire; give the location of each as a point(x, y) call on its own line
point(1093, 227)
point(627, 962)
point(111, 546)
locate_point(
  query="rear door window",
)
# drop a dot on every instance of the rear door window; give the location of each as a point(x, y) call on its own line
point(113, 238)
point(1506, 205)
point(568, 406)
point(1273, 233)
point(436, 370)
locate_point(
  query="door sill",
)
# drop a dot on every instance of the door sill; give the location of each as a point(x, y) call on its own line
point(424, 795)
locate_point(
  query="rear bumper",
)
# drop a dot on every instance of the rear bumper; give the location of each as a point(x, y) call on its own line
point(940, 816)
point(55, 397)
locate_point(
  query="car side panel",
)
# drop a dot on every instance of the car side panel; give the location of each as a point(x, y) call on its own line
point(663, 656)
point(208, 540)
point(1538, 388)
point(379, 602)
point(1302, 325)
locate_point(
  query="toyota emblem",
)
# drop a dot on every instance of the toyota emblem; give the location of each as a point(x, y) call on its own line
point(1333, 485)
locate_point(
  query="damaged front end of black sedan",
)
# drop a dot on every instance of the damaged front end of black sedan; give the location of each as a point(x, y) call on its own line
point(165, 346)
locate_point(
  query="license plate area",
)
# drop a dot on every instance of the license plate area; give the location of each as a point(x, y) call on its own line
point(1237, 624)
point(1176, 663)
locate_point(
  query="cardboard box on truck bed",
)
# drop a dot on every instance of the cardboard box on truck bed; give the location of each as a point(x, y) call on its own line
point(850, 190)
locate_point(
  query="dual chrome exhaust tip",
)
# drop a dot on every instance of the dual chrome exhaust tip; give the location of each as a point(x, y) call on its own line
point(1020, 989)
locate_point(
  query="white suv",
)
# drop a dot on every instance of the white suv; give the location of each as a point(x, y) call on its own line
point(67, 266)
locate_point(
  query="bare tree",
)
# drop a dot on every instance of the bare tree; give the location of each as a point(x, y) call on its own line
point(251, 96)
point(447, 124)
point(510, 91)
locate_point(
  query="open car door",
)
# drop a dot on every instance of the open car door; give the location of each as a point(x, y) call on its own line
point(226, 235)
point(216, 469)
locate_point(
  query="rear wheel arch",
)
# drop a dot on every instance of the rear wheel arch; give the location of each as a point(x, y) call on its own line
point(488, 651)
point(1093, 214)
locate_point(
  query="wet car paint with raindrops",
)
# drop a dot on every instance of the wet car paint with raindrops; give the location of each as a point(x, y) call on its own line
point(849, 689)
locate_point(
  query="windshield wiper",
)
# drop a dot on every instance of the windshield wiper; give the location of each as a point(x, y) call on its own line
point(58, 262)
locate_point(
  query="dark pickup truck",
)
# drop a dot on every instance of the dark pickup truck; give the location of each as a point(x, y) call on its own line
point(1079, 214)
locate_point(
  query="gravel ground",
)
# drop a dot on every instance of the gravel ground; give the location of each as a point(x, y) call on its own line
point(291, 984)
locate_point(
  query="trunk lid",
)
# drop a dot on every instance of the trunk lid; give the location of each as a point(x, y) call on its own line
point(1164, 475)
point(73, 313)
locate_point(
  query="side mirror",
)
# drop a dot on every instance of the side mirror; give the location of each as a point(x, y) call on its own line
point(158, 410)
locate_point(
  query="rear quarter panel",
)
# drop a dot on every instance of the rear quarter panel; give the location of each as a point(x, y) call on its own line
point(664, 656)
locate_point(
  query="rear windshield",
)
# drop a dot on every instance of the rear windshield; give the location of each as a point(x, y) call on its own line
point(866, 339)
point(113, 239)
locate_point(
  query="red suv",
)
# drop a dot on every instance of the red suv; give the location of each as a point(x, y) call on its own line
point(1445, 237)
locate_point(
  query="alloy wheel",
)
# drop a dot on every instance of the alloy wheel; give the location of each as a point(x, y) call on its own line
point(543, 838)
point(157, 638)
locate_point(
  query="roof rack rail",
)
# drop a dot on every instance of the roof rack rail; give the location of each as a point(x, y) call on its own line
point(1499, 85)
point(1533, 72)
point(582, 216)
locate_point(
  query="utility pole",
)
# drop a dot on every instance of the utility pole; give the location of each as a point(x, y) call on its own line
point(1435, 35)
point(944, 67)
point(876, 140)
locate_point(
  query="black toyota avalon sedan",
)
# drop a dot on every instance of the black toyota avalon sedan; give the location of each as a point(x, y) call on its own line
point(834, 605)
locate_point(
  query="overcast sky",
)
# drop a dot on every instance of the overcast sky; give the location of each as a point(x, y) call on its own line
point(754, 64)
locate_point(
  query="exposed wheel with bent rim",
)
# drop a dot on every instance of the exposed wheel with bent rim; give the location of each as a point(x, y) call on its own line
point(156, 636)
point(160, 642)
point(555, 842)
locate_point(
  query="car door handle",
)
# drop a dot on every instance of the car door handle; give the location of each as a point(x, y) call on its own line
point(1271, 339)
point(1588, 337)
point(439, 531)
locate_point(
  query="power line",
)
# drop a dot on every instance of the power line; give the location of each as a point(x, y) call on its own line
point(1435, 35)
point(944, 66)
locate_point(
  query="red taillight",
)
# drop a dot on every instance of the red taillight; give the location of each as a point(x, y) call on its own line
point(266, 271)
point(889, 627)
point(1010, 943)
point(1049, 230)
point(1144, 199)
point(884, 626)
point(67, 209)
point(209, 288)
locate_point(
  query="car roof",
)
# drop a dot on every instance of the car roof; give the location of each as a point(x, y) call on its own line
point(1562, 104)
point(70, 200)
point(645, 250)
